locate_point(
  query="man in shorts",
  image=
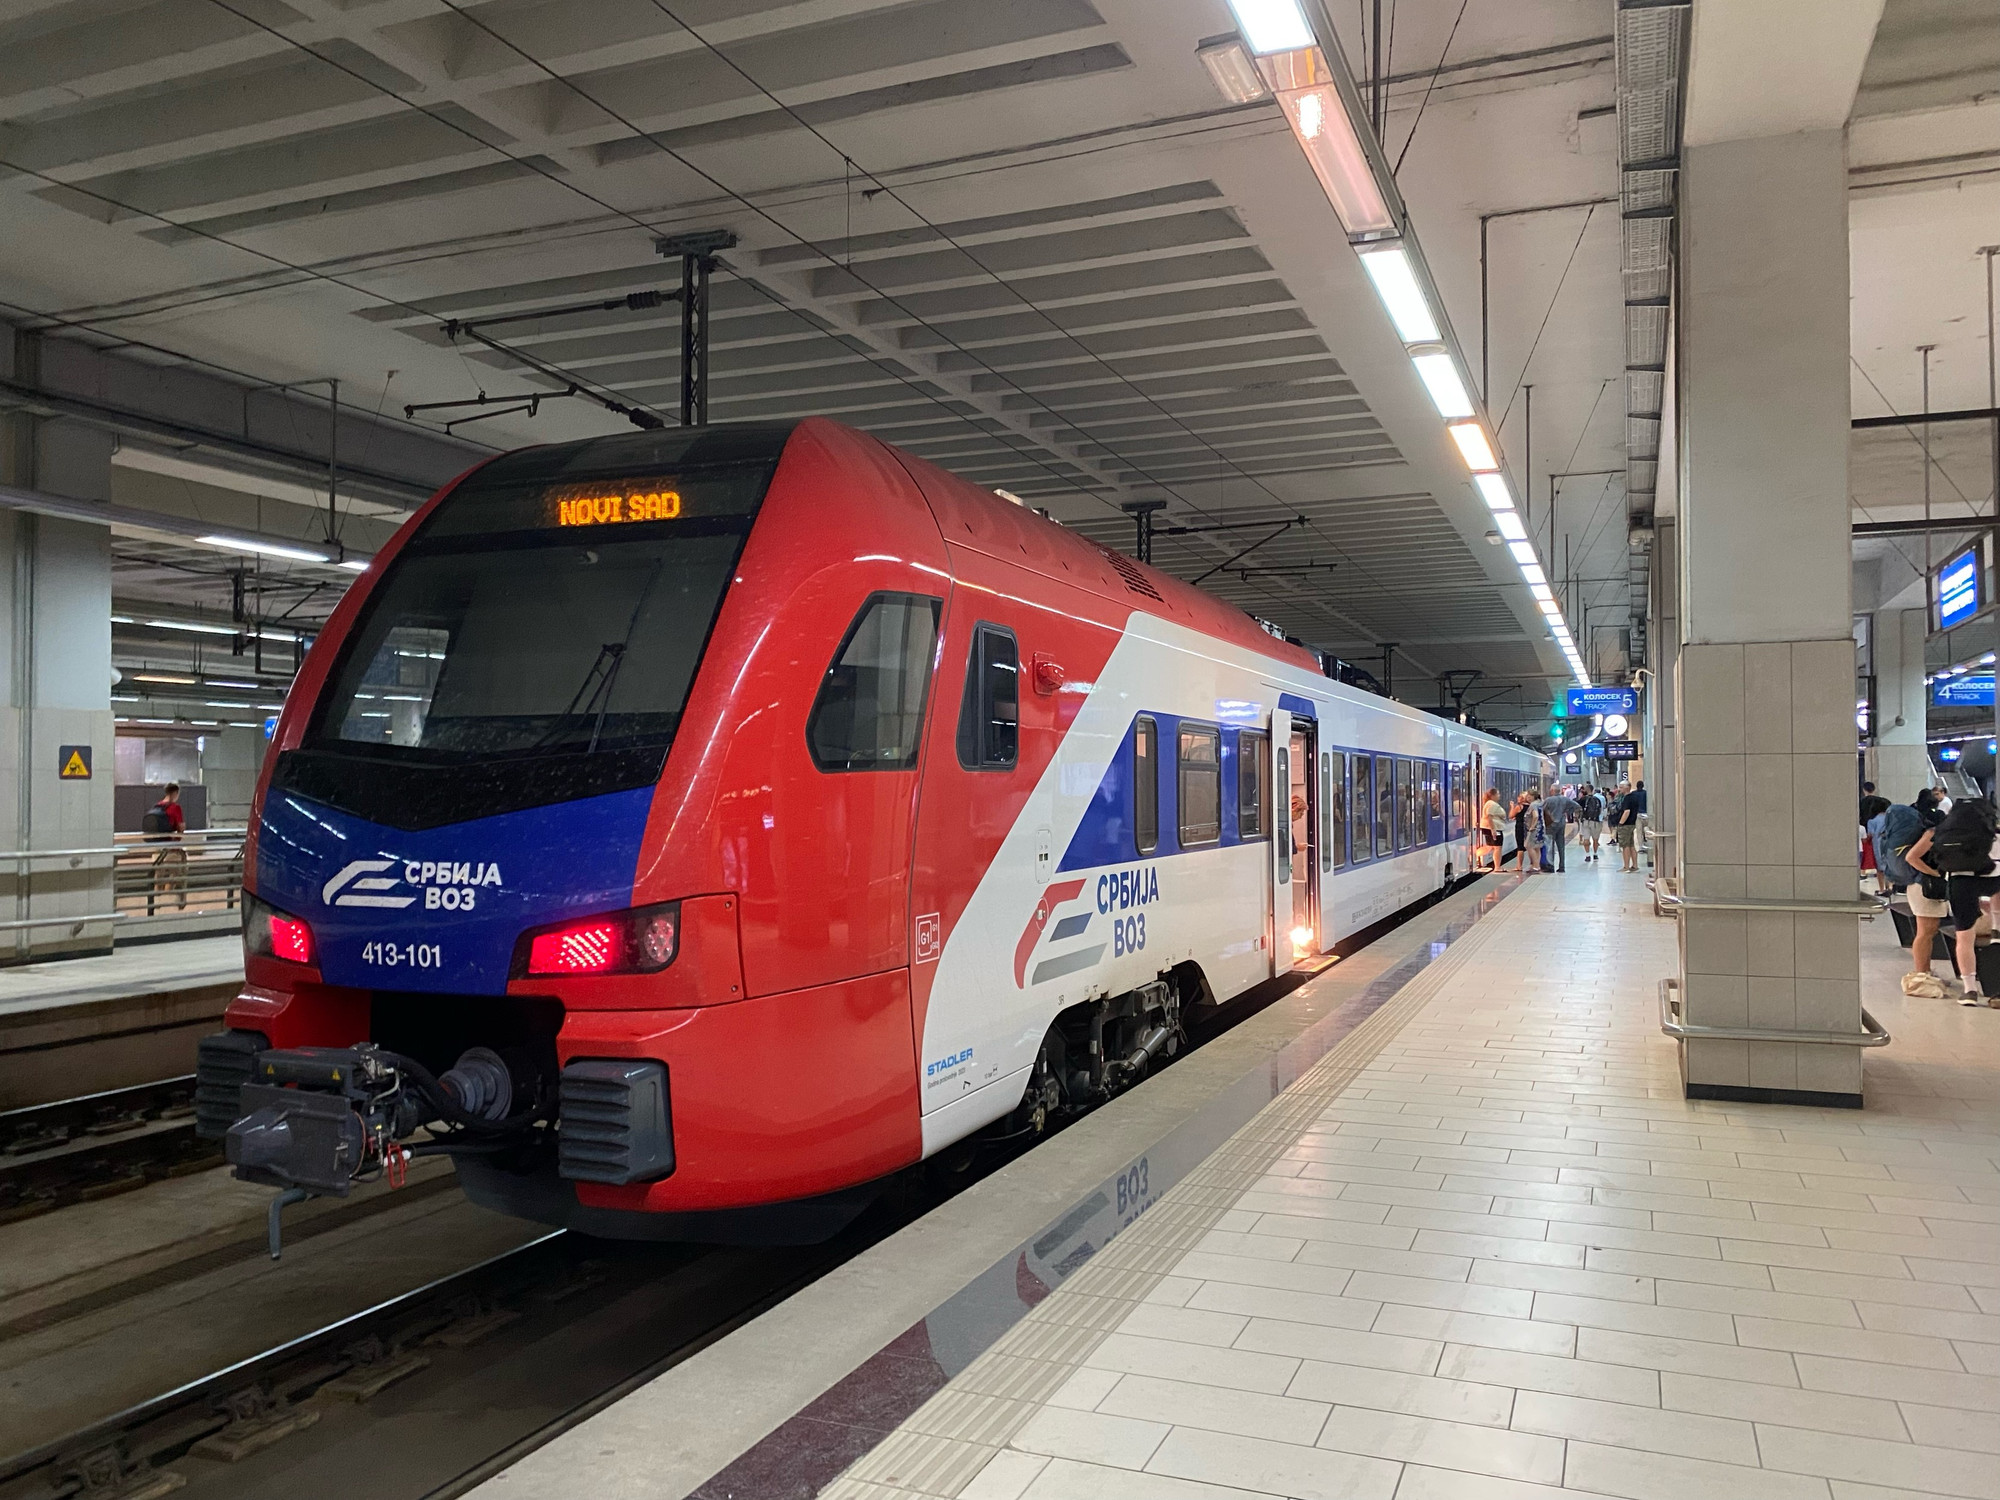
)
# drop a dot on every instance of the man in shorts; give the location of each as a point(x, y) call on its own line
point(1625, 826)
point(1965, 889)
point(1590, 825)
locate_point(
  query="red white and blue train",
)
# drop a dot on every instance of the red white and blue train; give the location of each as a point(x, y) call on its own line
point(687, 830)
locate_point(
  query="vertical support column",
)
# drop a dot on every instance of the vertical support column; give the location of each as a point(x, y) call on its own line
point(1766, 682)
point(1902, 702)
point(1663, 633)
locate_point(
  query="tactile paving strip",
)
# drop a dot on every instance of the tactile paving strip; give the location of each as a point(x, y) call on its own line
point(953, 1435)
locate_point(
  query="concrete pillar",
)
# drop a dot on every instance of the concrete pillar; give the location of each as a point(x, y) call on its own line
point(1902, 701)
point(1663, 631)
point(1766, 682)
point(230, 762)
point(55, 641)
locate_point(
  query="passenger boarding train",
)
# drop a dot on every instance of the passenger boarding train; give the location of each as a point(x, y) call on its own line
point(686, 830)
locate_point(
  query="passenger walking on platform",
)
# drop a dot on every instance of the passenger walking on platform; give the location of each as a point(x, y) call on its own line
point(1625, 826)
point(1590, 821)
point(1492, 831)
point(1559, 810)
point(1897, 832)
point(1963, 849)
point(165, 822)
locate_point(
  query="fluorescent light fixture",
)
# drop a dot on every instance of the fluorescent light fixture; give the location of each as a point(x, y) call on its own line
point(1532, 572)
point(1473, 446)
point(1524, 553)
point(191, 627)
point(1396, 284)
point(1232, 69)
point(262, 548)
point(1493, 490)
point(1439, 372)
point(1305, 88)
point(354, 564)
point(1272, 25)
point(230, 682)
point(1541, 591)
point(1509, 522)
point(164, 677)
point(1549, 607)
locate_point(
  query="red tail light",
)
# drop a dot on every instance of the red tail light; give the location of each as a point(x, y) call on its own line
point(639, 941)
point(589, 949)
point(270, 933)
point(291, 939)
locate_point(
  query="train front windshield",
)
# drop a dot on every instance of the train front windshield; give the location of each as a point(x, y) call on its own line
point(543, 629)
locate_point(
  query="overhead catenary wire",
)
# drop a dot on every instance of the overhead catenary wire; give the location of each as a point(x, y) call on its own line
point(889, 299)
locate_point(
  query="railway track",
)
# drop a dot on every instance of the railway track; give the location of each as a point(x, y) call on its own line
point(97, 1146)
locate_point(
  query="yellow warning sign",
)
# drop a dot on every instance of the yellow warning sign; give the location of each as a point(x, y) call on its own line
point(75, 762)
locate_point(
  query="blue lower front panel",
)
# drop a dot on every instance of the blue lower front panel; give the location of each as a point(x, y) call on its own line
point(441, 909)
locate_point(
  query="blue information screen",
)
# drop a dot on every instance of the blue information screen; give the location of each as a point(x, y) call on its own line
point(1958, 589)
point(1594, 751)
point(1971, 690)
point(1600, 700)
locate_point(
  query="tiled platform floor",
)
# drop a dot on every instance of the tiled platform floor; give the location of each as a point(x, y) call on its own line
point(1501, 1259)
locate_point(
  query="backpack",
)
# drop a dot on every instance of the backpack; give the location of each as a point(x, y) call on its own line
point(1963, 843)
point(156, 824)
point(1592, 808)
point(1894, 832)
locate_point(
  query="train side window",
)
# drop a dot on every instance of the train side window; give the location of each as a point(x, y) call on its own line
point(1385, 807)
point(1336, 840)
point(1328, 840)
point(1253, 759)
point(989, 720)
point(1146, 784)
point(870, 710)
point(1406, 805)
point(1200, 762)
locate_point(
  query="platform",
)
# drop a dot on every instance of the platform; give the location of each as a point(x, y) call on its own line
point(1480, 1247)
point(82, 1025)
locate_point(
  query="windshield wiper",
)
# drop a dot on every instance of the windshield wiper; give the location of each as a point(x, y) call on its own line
point(595, 689)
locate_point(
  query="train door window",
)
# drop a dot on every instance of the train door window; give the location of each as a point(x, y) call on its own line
point(1406, 806)
point(989, 720)
point(1360, 811)
point(1253, 798)
point(1200, 764)
point(1385, 807)
point(1328, 840)
point(1146, 784)
point(1336, 801)
point(1433, 802)
point(870, 707)
point(1456, 829)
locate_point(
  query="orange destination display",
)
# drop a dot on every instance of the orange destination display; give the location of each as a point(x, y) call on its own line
point(614, 501)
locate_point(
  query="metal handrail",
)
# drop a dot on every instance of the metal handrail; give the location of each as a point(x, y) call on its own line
point(192, 839)
point(1872, 1034)
point(1866, 910)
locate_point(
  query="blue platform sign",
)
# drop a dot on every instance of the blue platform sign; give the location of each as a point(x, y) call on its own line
point(1600, 700)
point(1968, 690)
point(1594, 750)
point(1958, 589)
point(271, 727)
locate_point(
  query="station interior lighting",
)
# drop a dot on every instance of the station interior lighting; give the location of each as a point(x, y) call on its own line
point(1279, 53)
point(262, 548)
point(1474, 446)
point(1493, 490)
point(1439, 373)
point(1273, 25)
point(1232, 70)
point(1396, 284)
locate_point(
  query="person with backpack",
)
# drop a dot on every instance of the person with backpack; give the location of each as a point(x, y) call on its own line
point(1590, 827)
point(1894, 832)
point(1962, 851)
point(164, 823)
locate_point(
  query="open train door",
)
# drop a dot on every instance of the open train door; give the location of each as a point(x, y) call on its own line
point(1475, 822)
point(1281, 840)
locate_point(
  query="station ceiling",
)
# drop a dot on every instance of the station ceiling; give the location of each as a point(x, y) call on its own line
point(1029, 241)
